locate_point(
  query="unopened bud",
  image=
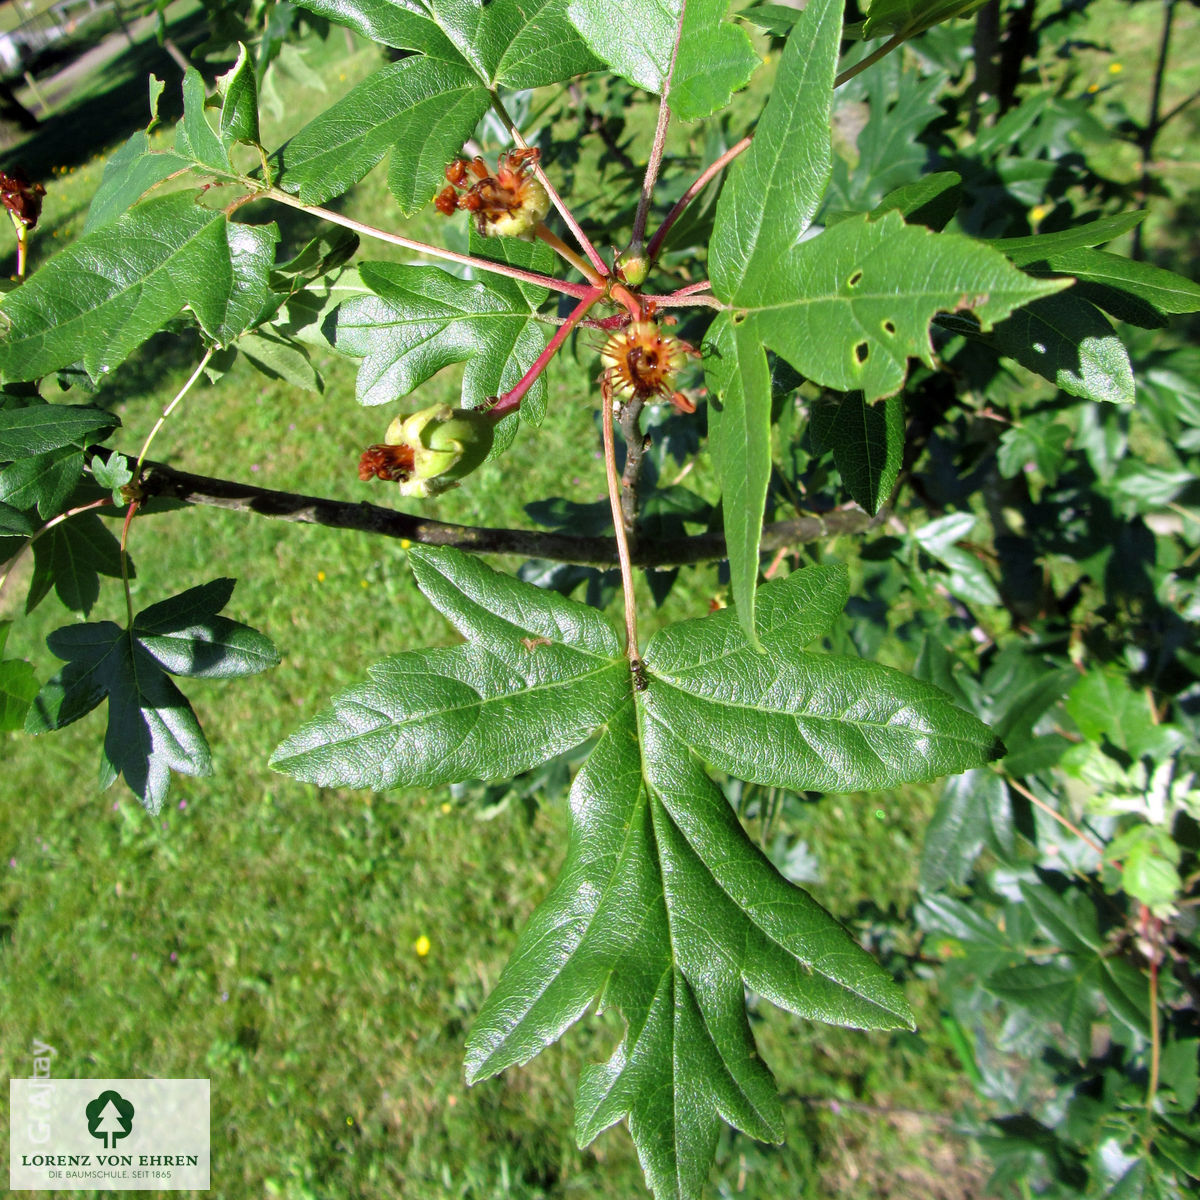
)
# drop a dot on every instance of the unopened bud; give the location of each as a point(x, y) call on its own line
point(634, 266)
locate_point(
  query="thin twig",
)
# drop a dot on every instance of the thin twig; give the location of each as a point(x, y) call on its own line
point(1154, 925)
point(511, 400)
point(891, 44)
point(714, 168)
point(166, 412)
point(577, 290)
point(563, 211)
point(635, 449)
point(654, 163)
point(1095, 845)
point(567, 254)
point(614, 499)
point(161, 481)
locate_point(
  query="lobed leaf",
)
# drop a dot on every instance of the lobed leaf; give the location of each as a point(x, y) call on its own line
point(421, 319)
point(152, 729)
point(42, 427)
point(664, 908)
point(103, 296)
point(773, 190)
point(848, 308)
point(422, 109)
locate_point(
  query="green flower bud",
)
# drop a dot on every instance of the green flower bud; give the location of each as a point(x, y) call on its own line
point(634, 266)
point(446, 444)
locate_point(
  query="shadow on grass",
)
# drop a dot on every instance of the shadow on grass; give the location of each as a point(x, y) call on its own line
point(103, 112)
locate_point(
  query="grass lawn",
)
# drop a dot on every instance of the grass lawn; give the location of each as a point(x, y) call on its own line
point(263, 933)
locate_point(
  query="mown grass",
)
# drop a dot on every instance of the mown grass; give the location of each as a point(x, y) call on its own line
point(264, 933)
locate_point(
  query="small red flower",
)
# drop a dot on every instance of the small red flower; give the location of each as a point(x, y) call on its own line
point(641, 362)
point(510, 203)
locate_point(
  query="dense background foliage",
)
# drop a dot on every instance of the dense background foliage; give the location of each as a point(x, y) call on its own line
point(1037, 561)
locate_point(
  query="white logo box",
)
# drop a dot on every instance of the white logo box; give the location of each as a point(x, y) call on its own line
point(108, 1134)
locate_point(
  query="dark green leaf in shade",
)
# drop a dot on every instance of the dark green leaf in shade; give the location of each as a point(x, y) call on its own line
point(185, 636)
point(1165, 291)
point(715, 59)
point(910, 17)
point(970, 806)
point(1024, 251)
point(70, 558)
point(13, 520)
point(194, 136)
point(128, 175)
point(18, 686)
point(239, 102)
point(104, 295)
point(664, 910)
point(773, 190)
point(152, 729)
point(1105, 708)
point(422, 109)
point(279, 358)
point(1064, 995)
point(421, 319)
point(45, 480)
point(1068, 341)
point(42, 427)
point(739, 440)
point(931, 200)
point(867, 441)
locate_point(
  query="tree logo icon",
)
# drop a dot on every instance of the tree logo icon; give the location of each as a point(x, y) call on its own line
point(109, 1117)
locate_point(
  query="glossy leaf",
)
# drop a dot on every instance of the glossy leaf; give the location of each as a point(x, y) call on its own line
point(664, 910)
point(194, 136)
point(867, 441)
point(420, 319)
point(421, 109)
point(104, 295)
point(42, 427)
point(1024, 251)
point(739, 440)
point(239, 102)
point(910, 17)
point(1070, 342)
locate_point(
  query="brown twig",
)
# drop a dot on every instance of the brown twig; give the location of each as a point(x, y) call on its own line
point(160, 481)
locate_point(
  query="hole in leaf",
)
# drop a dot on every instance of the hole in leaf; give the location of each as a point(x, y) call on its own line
point(861, 352)
point(854, 279)
point(889, 327)
point(739, 316)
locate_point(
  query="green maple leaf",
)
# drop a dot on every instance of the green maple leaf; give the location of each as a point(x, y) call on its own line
point(847, 308)
point(421, 319)
point(664, 908)
point(100, 298)
point(152, 729)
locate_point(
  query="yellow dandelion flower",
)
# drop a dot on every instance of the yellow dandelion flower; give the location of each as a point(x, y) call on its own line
point(1115, 68)
point(1038, 213)
point(421, 946)
point(445, 807)
point(1093, 88)
point(363, 583)
point(405, 544)
point(320, 576)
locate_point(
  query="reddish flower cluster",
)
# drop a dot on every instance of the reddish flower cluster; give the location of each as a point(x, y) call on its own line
point(641, 362)
point(510, 203)
point(22, 198)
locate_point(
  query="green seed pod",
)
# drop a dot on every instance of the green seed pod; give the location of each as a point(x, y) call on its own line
point(446, 443)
